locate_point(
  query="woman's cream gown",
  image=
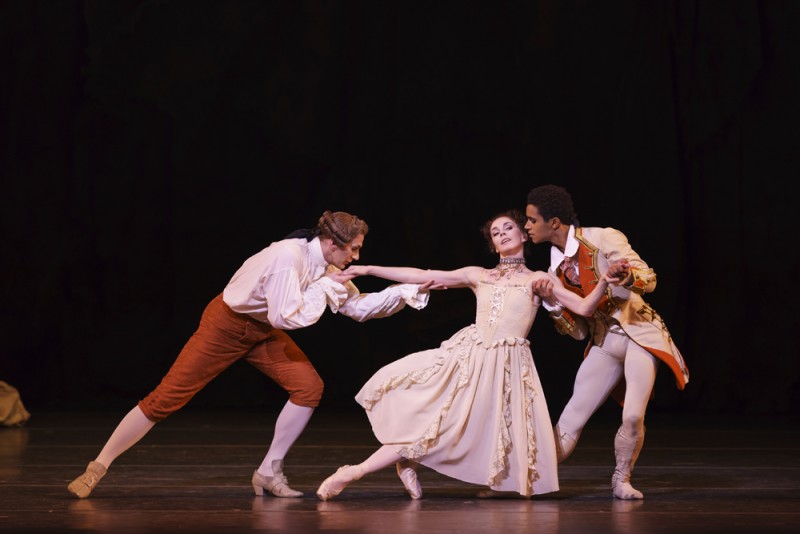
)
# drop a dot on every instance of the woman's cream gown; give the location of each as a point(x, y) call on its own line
point(473, 408)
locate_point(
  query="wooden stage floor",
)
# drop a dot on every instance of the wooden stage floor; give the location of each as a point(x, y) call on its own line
point(699, 473)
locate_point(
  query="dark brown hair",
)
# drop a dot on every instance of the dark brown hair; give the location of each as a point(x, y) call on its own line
point(341, 227)
point(553, 201)
point(514, 214)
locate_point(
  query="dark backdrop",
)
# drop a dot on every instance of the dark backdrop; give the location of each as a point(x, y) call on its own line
point(150, 147)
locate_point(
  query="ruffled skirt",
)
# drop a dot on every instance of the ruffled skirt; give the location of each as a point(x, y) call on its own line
point(471, 411)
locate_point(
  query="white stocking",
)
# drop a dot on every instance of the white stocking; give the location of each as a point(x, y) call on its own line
point(290, 424)
point(129, 431)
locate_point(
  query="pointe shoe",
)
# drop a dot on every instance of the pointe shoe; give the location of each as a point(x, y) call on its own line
point(277, 484)
point(334, 484)
point(407, 472)
point(82, 486)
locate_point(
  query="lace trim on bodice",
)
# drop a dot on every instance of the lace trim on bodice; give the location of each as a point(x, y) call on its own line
point(498, 295)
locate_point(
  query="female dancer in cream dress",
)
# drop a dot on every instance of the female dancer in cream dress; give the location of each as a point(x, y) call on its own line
point(473, 408)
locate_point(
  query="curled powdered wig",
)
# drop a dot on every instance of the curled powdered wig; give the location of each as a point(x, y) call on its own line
point(341, 227)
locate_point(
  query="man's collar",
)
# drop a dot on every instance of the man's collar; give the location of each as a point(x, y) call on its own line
point(315, 253)
point(570, 249)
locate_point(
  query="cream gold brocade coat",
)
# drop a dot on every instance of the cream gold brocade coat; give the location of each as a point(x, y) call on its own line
point(622, 304)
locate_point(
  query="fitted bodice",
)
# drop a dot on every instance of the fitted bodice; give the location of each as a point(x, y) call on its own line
point(504, 311)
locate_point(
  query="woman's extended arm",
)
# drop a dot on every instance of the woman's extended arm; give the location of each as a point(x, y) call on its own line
point(584, 306)
point(463, 277)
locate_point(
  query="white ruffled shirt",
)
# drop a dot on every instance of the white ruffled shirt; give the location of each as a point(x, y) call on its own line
point(556, 257)
point(570, 249)
point(285, 285)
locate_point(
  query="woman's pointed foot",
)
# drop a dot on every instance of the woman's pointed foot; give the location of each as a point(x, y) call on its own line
point(334, 484)
point(407, 471)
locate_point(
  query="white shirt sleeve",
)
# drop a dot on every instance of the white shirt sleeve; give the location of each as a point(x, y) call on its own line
point(289, 307)
point(364, 306)
point(278, 286)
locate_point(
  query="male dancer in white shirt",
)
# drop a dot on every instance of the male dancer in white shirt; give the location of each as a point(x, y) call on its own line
point(286, 286)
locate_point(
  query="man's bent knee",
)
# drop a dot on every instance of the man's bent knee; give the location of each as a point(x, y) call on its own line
point(309, 395)
point(153, 413)
point(156, 407)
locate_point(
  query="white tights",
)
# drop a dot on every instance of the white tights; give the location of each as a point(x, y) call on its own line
point(290, 424)
point(599, 373)
point(134, 426)
point(129, 431)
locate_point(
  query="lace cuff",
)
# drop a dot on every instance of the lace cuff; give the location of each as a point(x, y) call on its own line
point(325, 289)
point(412, 296)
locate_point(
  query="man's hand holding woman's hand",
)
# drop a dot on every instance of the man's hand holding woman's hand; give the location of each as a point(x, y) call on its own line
point(353, 271)
point(341, 277)
point(356, 270)
point(617, 272)
point(431, 284)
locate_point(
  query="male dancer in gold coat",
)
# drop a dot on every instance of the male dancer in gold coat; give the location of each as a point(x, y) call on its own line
point(627, 338)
